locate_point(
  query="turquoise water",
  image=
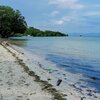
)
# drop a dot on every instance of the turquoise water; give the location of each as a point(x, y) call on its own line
point(73, 54)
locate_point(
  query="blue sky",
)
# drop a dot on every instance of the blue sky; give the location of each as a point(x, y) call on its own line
point(69, 16)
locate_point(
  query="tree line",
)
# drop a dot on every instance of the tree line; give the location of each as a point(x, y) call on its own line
point(12, 23)
point(36, 32)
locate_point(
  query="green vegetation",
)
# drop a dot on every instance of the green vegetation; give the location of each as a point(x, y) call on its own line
point(12, 23)
point(36, 32)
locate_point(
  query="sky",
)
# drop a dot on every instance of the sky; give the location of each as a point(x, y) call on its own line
point(68, 16)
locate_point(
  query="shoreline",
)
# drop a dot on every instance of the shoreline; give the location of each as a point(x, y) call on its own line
point(49, 81)
point(15, 84)
point(44, 84)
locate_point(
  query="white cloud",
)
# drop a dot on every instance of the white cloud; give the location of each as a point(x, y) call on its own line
point(67, 18)
point(54, 13)
point(58, 22)
point(63, 20)
point(70, 4)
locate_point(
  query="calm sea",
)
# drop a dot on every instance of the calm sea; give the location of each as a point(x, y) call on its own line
point(73, 54)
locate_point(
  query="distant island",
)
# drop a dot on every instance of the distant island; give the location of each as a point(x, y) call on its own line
point(12, 23)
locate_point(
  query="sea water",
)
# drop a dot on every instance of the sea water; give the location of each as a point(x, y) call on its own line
point(73, 54)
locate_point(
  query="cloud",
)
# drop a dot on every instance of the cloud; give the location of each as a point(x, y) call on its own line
point(67, 18)
point(58, 22)
point(54, 13)
point(63, 20)
point(69, 4)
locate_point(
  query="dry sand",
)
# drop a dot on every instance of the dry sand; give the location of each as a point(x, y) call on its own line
point(15, 84)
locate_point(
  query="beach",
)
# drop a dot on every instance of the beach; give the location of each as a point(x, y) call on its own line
point(15, 84)
point(49, 50)
point(23, 79)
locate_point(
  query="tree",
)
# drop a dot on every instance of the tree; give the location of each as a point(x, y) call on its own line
point(32, 31)
point(53, 33)
point(36, 32)
point(11, 22)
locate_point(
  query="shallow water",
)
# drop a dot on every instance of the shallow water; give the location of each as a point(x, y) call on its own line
point(73, 54)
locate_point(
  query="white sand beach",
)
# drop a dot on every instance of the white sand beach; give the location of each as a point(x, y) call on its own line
point(15, 83)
